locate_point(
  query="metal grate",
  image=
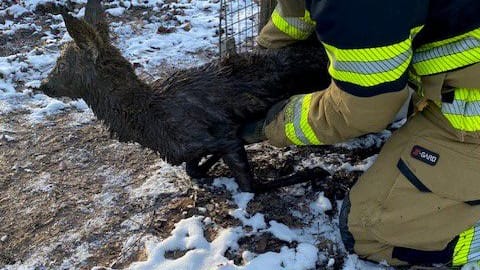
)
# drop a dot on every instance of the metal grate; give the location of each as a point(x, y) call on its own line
point(240, 22)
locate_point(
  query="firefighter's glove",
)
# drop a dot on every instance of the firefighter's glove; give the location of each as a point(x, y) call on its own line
point(254, 132)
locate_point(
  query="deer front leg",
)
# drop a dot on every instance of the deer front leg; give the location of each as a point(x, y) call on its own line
point(237, 161)
point(315, 175)
point(196, 170)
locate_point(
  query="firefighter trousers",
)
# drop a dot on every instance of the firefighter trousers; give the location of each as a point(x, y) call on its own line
point(420, 202)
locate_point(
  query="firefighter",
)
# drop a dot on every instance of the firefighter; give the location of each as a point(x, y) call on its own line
point(420, 202)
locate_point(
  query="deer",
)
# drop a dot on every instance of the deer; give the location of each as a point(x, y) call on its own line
point(193, 114)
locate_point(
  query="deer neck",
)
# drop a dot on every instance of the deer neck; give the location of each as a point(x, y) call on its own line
point(121, 101)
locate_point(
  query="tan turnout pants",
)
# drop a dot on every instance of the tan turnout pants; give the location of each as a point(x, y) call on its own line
point(420, 201)
point(402, 201)
point(424, 188)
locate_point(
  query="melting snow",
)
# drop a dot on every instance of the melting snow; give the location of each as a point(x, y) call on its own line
point(156, 184)
point(188, 236)
point(114, 11)
point(321, 205)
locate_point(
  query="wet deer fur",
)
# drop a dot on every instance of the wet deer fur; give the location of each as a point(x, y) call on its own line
point(192, 113)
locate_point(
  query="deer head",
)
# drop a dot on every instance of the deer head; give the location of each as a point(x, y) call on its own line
point(78, 67)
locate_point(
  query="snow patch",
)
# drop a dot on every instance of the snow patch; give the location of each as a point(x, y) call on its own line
point(53, 107)
point(116, 12)
point(6, 87)
point(162, 181)
point(188, 236)
point(363, 166)
point(203, 255)
point(369, 140)
point(80, 105)
point(321, 204)
point(256, 222)
point(230, 185)
point(242, 199)
point(80, 254)
point(82, 118)
point(135, 222)
point(282, 231)
point(353, 263)
point(16, 11)
point(7, 138)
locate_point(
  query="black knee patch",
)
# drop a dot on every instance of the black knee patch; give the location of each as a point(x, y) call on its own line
point(414, 256)
point(347, 237)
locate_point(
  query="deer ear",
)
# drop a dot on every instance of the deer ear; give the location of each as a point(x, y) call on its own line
point(83, 34)
point(95, 16)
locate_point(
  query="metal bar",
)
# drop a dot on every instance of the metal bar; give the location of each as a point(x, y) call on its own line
point(239, 22)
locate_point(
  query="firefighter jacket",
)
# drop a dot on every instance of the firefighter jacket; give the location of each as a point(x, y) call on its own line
point(375, 47)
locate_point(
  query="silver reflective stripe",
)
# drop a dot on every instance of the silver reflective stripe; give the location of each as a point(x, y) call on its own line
point(296, 22)
point(372, 67)
point(447, 49)
point(297, 120)
point(299, 24)
point(461, 107)
point(474, 253)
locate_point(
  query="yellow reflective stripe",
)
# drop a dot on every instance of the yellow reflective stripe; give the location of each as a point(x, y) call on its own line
point(415, 31)
point(467, 248)
point(290, 133)
point(467, 94)
point(465, 123)
point(369, 79)
point(297, 28)
point(474, 33)
point(464, 112)
point(448, 54)
point(305, 126)
point(308, 19)
point(371, 66)
point(462, 248)
point(289, 113)
point(297, 127)
point(369, 54)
